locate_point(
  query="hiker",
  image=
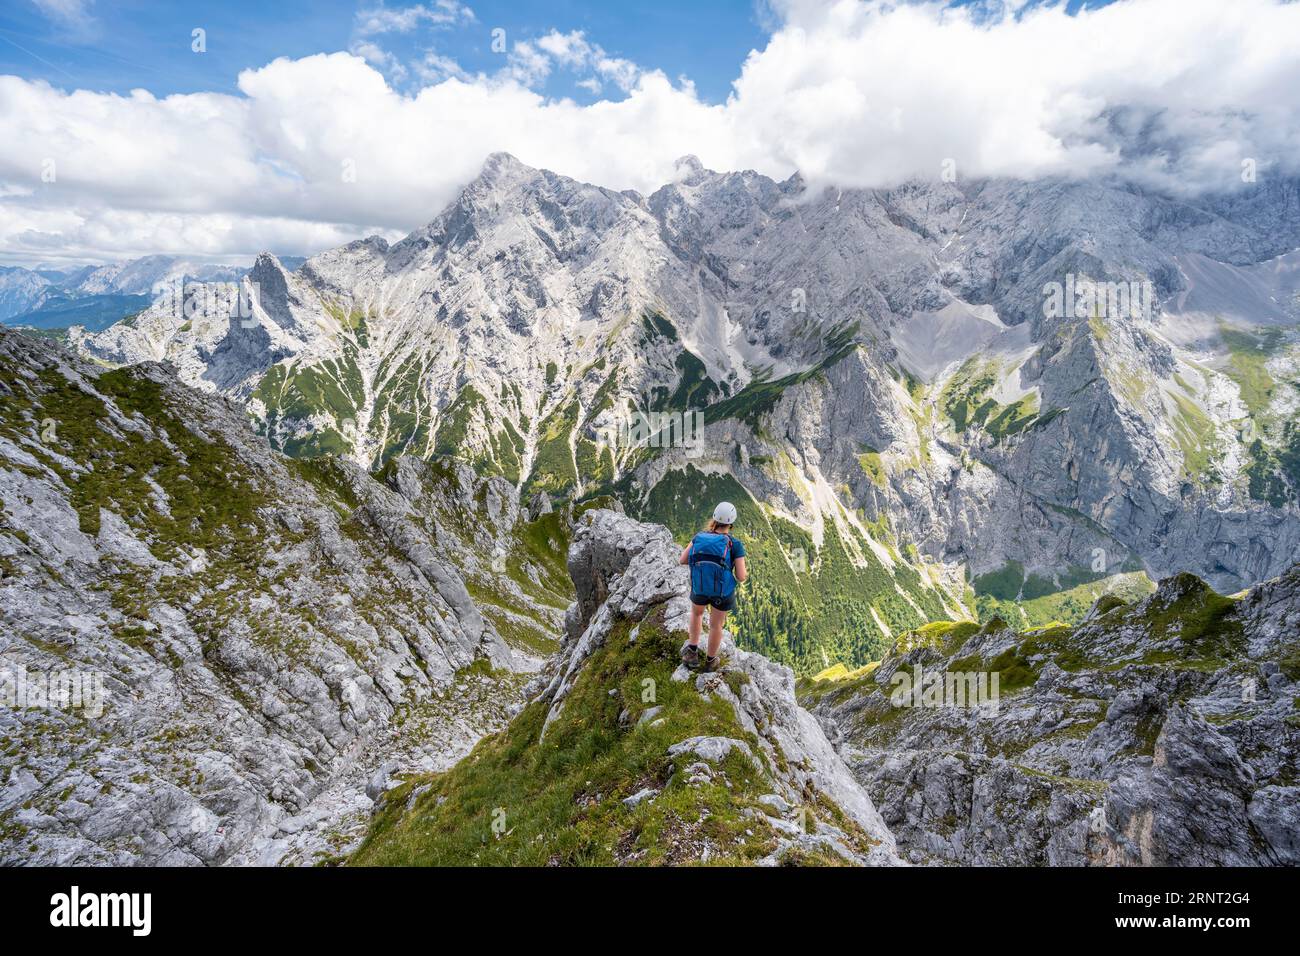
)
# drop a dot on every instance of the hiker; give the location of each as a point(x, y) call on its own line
point(717, 563)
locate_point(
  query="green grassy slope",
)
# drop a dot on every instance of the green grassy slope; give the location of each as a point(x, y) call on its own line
point(523, 799)
point(1186, 626)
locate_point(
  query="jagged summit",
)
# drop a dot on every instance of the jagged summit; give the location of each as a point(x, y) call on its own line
point(501, 169)
point(266, 263)
point(689, 171)
point(502, 161)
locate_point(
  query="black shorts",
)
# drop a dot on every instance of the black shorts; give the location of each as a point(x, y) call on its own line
point(721, 603)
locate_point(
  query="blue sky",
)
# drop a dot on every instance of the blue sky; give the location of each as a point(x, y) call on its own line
point(120, 45)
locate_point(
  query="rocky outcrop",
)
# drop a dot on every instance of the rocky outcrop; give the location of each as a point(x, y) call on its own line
point(1162, 733)
point(624, 570)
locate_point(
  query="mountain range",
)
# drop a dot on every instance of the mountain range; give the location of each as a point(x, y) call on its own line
point(910, 429)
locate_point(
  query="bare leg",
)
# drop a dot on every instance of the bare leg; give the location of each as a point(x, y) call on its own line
point(697, 615)
point(716, 620)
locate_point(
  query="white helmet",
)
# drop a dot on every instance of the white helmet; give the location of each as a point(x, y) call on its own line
point(725, 513)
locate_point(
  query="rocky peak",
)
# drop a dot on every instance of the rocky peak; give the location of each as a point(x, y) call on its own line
point(273, 283)
point(826, 331)
point(502, 163)
point(689, 171)
point(501, 179)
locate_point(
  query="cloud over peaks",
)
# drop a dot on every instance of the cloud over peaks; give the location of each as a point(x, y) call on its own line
point(1174, 94)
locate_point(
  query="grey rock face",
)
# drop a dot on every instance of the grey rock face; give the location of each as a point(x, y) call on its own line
point(1136, 452)
point(1152, 734)
point(240, 631)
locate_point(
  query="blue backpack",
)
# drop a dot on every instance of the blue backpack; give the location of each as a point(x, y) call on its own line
point(710, 563)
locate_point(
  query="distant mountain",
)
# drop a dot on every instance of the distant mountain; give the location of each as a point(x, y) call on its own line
point(60, 310)
point(910, 427)
point(141, 276)
point(97, 296)
point(21, 290)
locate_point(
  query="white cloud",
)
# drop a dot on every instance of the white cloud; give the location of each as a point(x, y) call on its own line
point(433, 67)
point(529, 65)
point(571, 49)
point(75, 13)
point(573, 52)
point(381, 59)
point(854, 93)
point(869, 93)
point(442, 13)
point(622, 72)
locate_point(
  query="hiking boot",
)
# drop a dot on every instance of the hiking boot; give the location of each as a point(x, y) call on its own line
point(712, 664)
point(691, 656)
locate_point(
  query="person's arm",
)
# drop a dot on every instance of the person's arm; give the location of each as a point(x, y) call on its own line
point(739, 570)
point(686, 555)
